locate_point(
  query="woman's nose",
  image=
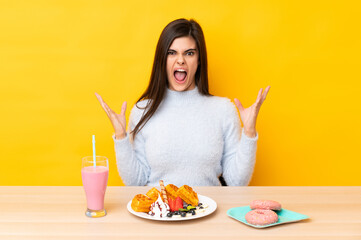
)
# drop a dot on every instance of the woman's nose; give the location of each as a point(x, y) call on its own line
point(180, 60)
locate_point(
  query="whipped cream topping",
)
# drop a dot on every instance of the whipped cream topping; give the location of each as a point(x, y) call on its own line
point(159, 208)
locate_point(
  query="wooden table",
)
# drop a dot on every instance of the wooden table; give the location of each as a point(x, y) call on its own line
point(58, 213)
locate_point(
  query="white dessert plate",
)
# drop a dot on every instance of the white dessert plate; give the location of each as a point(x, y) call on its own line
point(212, 206)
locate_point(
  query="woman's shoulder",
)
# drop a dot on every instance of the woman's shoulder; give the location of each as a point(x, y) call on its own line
point(221, 104)
point(225, 110)
point(138, 109)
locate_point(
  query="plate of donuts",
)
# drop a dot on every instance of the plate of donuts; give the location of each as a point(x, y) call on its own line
point(264, 213)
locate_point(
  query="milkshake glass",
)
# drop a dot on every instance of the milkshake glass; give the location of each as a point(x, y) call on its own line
point(95, 179)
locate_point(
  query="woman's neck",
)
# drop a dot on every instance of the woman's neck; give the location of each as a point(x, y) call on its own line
point(179, 97)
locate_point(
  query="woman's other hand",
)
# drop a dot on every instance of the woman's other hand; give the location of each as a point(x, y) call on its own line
point(118, 120)
point(249, 115)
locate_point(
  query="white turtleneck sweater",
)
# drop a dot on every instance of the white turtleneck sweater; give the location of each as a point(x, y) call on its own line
point(191, 139)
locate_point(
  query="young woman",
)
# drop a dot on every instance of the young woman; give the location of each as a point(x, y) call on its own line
point(178, 131)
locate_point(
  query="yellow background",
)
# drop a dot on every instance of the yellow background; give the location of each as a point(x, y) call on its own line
point(55, 54)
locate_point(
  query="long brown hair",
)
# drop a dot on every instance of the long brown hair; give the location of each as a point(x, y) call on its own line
point(158, 79)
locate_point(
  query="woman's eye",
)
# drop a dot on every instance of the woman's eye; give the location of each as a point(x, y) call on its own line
point(170, 53)
point(190, 53)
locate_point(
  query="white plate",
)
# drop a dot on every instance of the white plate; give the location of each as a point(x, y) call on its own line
point(212, 206)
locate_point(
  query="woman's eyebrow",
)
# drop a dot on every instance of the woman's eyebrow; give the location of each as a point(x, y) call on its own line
point(191, 49)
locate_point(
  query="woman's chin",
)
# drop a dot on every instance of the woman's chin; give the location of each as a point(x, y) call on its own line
point(181, 87)
point(177, 88)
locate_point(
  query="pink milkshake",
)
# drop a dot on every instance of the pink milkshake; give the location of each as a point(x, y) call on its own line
point(95, 181)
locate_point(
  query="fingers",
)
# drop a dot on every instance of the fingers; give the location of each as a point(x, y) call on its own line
point(259, 96)
point(104, 105)
point(124, 108)
point(107, 109)
point(238, 104)
point(99, 99)
point(260, 99)
point(264, 95)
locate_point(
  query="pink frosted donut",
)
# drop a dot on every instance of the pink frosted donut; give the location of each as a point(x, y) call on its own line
point(265, 204)
point(261, 217)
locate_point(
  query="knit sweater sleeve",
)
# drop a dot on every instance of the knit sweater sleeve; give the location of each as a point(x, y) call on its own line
point(239, 153)
point(132, 164)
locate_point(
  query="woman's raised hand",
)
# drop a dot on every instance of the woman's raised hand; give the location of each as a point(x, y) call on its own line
point(118, 120)
point(249, 115)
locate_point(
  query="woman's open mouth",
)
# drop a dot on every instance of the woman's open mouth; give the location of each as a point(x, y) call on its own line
point(180, 75)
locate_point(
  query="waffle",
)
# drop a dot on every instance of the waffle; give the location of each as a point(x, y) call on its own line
point(171, 191)
point(188, 195)
point(141, 203)
point(153, 194)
